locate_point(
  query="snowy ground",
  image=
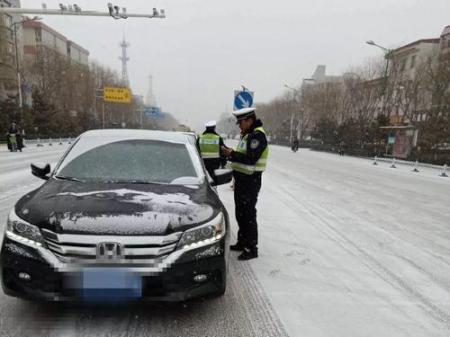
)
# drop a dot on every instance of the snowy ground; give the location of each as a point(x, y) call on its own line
point(346, 249)
point(352, 249)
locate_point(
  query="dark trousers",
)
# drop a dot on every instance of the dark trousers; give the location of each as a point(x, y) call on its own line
point(246, 190)
point(211, 165)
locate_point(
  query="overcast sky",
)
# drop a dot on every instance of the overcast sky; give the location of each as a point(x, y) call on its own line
point(207, 48)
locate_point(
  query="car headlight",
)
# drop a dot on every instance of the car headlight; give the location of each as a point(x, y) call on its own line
point(19, 230)
point(203, 235)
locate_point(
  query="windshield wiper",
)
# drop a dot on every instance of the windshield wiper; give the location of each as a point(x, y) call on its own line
point(133, 182)
point(69, 178)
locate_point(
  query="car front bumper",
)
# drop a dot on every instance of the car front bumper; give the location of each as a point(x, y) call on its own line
point(178, 277)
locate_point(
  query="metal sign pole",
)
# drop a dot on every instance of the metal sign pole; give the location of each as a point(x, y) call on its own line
point(103, 114)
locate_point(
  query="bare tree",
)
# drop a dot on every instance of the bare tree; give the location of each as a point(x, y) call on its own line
point(73, 91)
point(362, 99)
point(435, 126)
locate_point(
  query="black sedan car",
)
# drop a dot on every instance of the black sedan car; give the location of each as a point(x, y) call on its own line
point(125, 214)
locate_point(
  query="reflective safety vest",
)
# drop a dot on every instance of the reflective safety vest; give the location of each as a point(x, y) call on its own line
point(12, 138)
point(209, 145)
point(260, 165)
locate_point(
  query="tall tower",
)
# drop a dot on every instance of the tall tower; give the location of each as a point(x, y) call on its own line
point(150, 99)
point(124, 58)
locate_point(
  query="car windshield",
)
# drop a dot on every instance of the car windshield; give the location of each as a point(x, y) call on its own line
point(131, 161)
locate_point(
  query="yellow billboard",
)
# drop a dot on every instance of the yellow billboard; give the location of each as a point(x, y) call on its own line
point(117, 95)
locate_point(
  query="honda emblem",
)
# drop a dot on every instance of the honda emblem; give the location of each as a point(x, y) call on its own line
point(109, 251)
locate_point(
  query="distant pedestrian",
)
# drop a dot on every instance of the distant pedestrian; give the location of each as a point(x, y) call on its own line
point(341, 148)
point(295, 145)
point(20, 138)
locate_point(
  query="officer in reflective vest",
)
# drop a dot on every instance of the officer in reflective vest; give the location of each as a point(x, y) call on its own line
point(209, 144)
point(248, 161)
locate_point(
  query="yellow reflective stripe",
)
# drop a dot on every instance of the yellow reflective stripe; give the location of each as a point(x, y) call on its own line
point(260, 128)
point(209, 141)
point(210, 155)
point(247, 169)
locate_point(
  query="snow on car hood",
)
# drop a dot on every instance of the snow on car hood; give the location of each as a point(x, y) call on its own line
point(72, 207)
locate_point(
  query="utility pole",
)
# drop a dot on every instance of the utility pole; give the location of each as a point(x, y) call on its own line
point(150, 99)
point(19, 80)
point(387, 55)
point(103, 114)
point(294, 99)
point(291, 127)
point(13, 26)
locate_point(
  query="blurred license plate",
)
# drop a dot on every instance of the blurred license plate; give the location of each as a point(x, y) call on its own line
point(110, 283)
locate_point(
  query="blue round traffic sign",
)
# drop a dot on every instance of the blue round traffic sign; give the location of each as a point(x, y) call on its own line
point(244, 99)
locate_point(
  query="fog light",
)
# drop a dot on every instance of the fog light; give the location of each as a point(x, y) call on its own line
point(25, 276)
point(200, 278)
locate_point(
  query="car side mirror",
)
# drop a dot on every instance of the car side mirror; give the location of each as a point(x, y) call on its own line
point(40, 170)
point(222, 176)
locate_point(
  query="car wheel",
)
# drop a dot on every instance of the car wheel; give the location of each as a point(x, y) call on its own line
point(221, 282)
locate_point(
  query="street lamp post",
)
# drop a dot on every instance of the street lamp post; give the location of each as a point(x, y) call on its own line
point(19, 81)
point(387, 52)
point(292, 118)
point(13, 26)
point(295, 92)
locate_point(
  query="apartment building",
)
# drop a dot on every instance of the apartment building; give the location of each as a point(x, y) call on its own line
point(37, 35)
point(8, 75)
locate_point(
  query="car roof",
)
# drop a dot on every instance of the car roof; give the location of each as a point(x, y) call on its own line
point(123, 134)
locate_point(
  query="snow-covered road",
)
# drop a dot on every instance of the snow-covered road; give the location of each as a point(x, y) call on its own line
point(346, 249)
point(352, 249)
point(244, 310)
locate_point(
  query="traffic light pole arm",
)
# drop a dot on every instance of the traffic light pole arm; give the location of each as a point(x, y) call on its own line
point(75, 13)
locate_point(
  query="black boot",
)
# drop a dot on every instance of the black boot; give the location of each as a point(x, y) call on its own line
point(239, 247)
point(249, 253)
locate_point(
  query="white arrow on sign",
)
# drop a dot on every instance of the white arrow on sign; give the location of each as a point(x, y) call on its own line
point(245, 103)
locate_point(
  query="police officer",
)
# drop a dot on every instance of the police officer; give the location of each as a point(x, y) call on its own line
point(248, 162)
point(209, 144)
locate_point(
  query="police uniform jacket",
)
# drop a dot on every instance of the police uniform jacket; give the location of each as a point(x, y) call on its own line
point(256, 145)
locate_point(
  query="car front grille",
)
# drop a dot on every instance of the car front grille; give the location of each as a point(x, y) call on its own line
point(85, 248)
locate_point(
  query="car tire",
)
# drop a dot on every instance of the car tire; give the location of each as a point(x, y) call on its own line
point(222, 287)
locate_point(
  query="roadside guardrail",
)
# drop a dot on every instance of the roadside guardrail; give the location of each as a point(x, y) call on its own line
point(414, 164)
point(48, 141)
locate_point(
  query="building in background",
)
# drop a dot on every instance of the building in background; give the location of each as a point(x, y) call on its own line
point(320, 76)
point(305, 120)
point(8, 75)
point(77, 53)
point(409, 102)
point(405, 64)
point(408, 57)
point(445, 40)
point(38, 35)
